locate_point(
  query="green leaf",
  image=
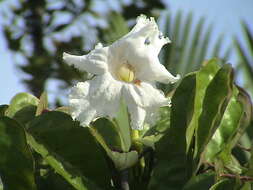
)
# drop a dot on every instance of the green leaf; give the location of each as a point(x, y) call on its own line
point(121, 160)
point(224, 185)
point(16, 161)
point(22, 108)
point(109, 133)
point(230, 122)
point(246, 186)
point(225, 161)
point(25, 114)
point(246, 118)
point(123, 127)
point(63, 168)
point(20, 101)
point(201, 181)
point(3, 109)
point(52, 180)
point(203, 78)
point(234, 123)
point(218, 93)
point(43, 104)
point(69, 146)
point(173, 169)
point(124, 160)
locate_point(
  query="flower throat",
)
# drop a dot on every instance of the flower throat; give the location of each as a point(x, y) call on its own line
point(126, 73)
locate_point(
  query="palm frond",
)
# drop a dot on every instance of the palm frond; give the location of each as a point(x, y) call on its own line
point(245, 53)
point(190, 43)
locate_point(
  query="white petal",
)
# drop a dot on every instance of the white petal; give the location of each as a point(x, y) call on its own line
point(147, 28)
point(137, 116)
point(155, 71)
point(143, 101)
point(95, 98)
point(95, 62)
point(145, 95)
point(152, 116)
point(134, 50)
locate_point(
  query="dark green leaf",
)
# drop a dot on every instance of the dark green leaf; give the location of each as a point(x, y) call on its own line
point(230, 122)
point(203, 79)
point(121, 160)
point(224, 184)
point(66, 170)
point(218, 93)
point(201, 181)
point(67, 146)
point(108, 132)
point(25, 114)
point(173, 169)
point(3, 108)
point(16, 161)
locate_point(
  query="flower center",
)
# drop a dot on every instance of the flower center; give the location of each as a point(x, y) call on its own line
point(126, 73)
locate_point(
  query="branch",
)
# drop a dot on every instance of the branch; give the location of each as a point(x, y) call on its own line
point(243, 148)
point(243, 178)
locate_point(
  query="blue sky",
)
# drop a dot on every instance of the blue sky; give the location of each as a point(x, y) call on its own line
point(224, 14)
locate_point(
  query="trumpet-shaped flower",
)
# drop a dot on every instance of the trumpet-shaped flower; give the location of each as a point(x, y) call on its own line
point(126, 69)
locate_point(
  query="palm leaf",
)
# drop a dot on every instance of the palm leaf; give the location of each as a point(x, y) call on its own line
point(190, 43)
point(246, 57)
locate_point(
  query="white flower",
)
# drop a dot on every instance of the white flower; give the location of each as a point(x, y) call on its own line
point(126, 69)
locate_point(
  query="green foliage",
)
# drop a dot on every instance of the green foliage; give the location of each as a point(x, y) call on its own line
point(16, 161)
point(190, 147)
point(202, 181)
point(59, 134)
point(20, 101)
point(172, 164)
point(22, 107)
point(211, 114)
point(198, 107)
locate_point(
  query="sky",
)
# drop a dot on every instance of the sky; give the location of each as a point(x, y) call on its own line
point(225, 15)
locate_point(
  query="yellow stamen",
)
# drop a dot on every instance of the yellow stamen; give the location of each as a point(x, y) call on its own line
point(126, 73)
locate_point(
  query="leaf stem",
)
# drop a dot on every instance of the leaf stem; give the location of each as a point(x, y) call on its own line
point(243, 148)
